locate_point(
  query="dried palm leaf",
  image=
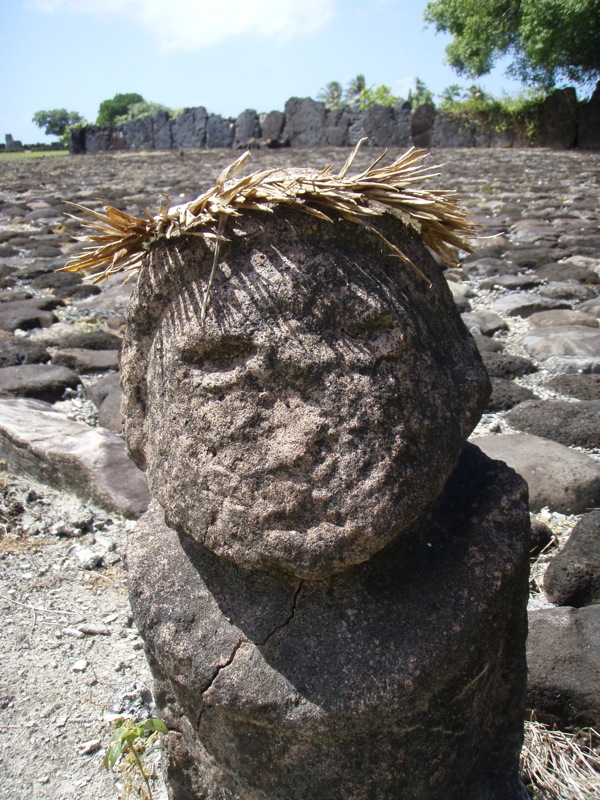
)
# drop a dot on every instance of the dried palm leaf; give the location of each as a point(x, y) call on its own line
point(119, 241)
point(556, 765)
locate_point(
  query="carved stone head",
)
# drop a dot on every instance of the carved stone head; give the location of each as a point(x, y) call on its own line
point(320, 406)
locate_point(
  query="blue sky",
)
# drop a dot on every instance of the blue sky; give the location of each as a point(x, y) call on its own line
point(226, 55)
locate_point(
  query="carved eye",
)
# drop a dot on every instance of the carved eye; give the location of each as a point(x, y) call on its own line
point(217, 355)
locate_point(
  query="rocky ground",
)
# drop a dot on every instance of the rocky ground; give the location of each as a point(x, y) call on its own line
point(71, 657)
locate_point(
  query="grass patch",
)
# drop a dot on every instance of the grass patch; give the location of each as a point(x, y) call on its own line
point(28, 155)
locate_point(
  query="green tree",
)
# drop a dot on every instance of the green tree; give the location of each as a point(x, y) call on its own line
point(118, 106)
point(139, 111)
point(376, 96)
point(56, 121)
point(331, 95)
point(548, 40)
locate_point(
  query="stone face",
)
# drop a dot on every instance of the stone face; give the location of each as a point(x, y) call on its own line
point(573, 575)
point(267, 419)
point(42, 442)
point(335, 688)
point(563, 657)
point(558, 477)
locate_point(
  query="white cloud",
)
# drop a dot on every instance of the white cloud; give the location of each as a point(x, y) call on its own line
point(192, 24)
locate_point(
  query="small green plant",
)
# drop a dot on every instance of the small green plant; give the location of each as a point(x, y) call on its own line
point(132, 742)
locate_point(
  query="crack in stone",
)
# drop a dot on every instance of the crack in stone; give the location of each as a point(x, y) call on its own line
point(289, 617)
point(243, 640)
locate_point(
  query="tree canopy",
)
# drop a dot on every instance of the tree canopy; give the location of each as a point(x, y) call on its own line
point(56, 121)
point(549, 40)
point(118, 106)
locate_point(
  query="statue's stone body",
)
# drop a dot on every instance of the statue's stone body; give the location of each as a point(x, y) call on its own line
point(329, 610)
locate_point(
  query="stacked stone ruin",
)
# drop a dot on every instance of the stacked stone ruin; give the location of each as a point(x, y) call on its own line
point(563, 123)
point(331, 584)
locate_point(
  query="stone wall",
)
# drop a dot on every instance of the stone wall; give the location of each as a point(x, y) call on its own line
point(563, 123)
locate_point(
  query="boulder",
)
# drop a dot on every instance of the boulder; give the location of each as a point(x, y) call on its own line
point(42, 442)
point(188, 129)
point(558, 120)
point(219, 132)
point(83, 361)
point(421, 125)
point(573, 575)
point(582, 387)
point(562, 316)
point(246, 127)
point(383, 129)
point(507, 394)
point(271, 125)
point(305, 122)
point(27, 314)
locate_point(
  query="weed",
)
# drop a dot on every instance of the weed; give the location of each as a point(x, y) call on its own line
point(133, 743)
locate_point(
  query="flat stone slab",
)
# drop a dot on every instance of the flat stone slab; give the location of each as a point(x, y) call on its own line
point(563, 656)
point(92, 463)
point(558, 477)
point(565, 343)
point(46, 382)
point(524, 304)
point(27, 314)
point(82, 360)
point(560, 317)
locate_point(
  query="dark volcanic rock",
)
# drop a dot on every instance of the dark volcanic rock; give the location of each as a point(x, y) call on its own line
point(333, 689)
point(326, 341)
point(563, 657)
point(568, 423)
point(505, 365)
point(573, 575)
point(506, 394)
point(94, 340)
point(305, 122)
point(40, 381)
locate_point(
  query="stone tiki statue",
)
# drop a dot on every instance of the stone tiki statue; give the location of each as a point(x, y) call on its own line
point(330, 584)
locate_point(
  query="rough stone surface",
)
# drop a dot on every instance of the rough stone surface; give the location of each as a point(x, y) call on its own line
point(219, 131)
point(188, 129)
point(16, 350)
point(272, 125)
point(267, 419)
point(42, 442)
point(573, 576)
point(560, 420)
point(563, 657)
point(558, 477)
point(246, 127)
point(505, 365)
point(485, 322)
point(275, 675)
